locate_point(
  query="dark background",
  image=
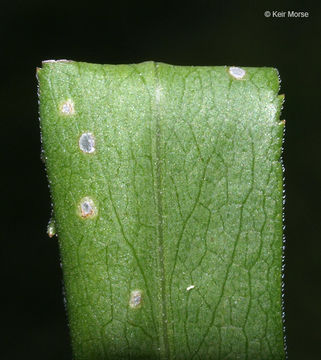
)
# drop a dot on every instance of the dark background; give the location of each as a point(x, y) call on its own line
point(200, 33)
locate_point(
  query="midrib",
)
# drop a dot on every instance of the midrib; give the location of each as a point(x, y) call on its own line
point(165, 351)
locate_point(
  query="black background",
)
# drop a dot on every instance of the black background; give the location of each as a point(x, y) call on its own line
point(200, 33)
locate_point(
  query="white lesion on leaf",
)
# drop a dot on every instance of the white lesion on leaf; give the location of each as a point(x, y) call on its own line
point(87, 208)
point(135, 300)
point(237, 72)
point(56, 61)
point(51, 228)
point(190, 287)
point(67, 107)
point(87, 143)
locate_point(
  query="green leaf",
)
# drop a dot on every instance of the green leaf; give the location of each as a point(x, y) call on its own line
point(167, 191)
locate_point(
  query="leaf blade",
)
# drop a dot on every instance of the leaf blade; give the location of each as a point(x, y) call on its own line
point(188, 184)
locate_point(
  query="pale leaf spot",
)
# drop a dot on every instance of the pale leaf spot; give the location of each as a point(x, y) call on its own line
point(190, 287)
point(67, 107)
point(236, 72)
point(56, 61)
point(51, 228)
point(87, 208)
point(135, 300)
point(87, 143)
